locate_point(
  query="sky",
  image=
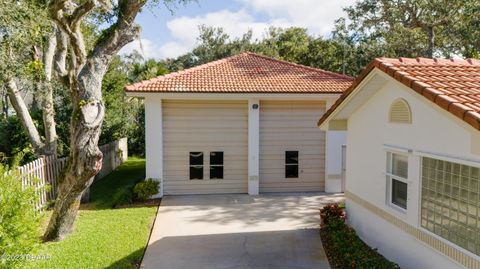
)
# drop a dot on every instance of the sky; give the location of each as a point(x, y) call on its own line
point(171, 33)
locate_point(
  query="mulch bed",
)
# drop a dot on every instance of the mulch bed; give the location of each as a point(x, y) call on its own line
point(335, 260)
point(328, 250)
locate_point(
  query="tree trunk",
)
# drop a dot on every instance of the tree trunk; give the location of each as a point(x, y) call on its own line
point(48, 113)
point(85, 161)
point(49, 146)
point(85, 79)
point(48, 110)
point(24, 116)
point(431, 40)
point(5, 106)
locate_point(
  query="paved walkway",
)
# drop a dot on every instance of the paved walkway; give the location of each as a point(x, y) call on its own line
point(238, 231)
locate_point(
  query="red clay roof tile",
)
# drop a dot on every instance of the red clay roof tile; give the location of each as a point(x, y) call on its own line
point(452, 84)
point(247, 73)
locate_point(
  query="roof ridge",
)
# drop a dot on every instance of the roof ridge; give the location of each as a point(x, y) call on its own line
point(429, 61)
point(298, 65)
point(183, 71)
point(133, 86)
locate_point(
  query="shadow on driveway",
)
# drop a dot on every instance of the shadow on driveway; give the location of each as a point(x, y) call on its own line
point(238, 231)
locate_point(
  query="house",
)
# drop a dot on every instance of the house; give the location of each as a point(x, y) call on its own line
point(243, 124)
point(413, 159)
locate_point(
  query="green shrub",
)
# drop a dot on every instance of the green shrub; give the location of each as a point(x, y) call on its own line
point(19, 222)
point(145, 189)
point(332, 213)
point(343, 243)
point(14, 143)
point(122, 197)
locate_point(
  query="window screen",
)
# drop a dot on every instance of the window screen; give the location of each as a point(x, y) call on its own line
point(451, 202)
point(399, 193)
point(196, 165)
point(399, 165)
point(216, 165)
point(397, 174)
point(291, 164)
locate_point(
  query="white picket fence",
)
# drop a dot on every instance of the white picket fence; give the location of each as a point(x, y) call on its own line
point(46, 171)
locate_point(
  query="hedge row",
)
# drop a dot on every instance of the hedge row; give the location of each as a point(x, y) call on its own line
point(343, 246)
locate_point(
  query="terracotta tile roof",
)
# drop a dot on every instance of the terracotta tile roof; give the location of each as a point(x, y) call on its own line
point(247, 73)
point(454, 85)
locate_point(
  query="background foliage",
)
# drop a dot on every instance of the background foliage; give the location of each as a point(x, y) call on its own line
point(372, 28)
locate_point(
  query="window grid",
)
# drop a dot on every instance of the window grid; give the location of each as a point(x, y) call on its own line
point(291, 164)
point(397, 173)
point(450, 205)
point(196, 165)
point(216, 165)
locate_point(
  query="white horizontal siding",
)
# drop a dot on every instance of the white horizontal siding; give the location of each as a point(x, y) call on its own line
point(291, 125)
point(205, 126)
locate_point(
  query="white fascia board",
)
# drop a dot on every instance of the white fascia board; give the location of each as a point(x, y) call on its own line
point(236, 96)
point(358, 88)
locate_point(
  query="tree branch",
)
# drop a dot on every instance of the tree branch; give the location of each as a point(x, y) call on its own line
point(24, 116)
point(61, 56)
point(77, 15)
point(70, 24)
point(49, 55)
point(56, 9)
point(48, 110)
point(124, 30)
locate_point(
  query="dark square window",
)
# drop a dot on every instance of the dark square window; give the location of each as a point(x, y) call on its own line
point(291, 157)
point(196, 158)
point(216, 158)
point(196, 165)
point(216, 172)
point(196, 172)
point(399, 193)
point(291, 171)
point(216, 165)
point(291, 164)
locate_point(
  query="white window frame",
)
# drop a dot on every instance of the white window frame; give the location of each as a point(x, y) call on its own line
point(447, 158)
point(390, 177)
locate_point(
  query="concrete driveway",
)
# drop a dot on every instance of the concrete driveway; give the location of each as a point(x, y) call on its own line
point(238, 231)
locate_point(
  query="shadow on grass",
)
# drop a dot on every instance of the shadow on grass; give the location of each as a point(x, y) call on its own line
point(116, 188)
point(131, 261)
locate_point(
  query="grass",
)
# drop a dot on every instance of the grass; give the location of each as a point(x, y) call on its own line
point(111, 190)
point(105, 237)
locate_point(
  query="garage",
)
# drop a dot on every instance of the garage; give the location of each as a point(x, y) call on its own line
point(292, 148)
point(205, 146)
point(243, 124)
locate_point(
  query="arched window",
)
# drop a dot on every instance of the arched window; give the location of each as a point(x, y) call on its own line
point(400, 112)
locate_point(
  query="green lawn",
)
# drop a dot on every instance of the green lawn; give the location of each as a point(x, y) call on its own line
point(105, 237)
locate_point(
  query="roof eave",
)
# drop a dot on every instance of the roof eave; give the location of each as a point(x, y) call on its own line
point(323, 121)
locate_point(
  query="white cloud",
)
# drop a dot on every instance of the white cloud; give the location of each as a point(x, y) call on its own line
point(145, 47)
point(185, 29)
point(234, 23)
point(316, 15)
